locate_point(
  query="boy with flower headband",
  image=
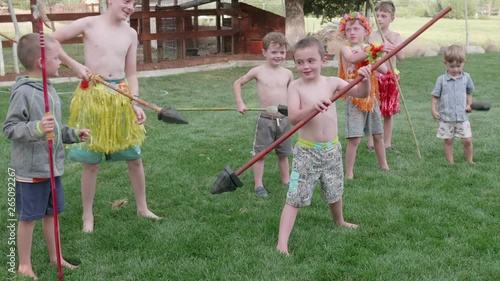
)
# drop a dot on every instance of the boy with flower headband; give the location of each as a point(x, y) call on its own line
point(362, 115)
point(110, 50)
point(389, 93)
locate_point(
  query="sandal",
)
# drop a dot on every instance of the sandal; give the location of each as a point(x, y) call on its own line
point(261, 191)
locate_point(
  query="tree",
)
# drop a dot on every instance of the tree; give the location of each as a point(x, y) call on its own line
point(294, 22)
point(330, 9)
point(296, 9)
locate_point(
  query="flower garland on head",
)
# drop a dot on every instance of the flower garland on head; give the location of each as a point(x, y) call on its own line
point(354, 16)
point(374, 52)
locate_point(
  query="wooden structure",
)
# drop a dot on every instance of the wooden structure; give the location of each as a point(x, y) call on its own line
point(238, 29)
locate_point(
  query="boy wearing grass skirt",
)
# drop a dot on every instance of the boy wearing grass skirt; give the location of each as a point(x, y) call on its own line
point(110, 48)
point(317, 156)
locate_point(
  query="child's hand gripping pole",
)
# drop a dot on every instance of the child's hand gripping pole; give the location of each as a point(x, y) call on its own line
point(168, 115)
point(39, 13)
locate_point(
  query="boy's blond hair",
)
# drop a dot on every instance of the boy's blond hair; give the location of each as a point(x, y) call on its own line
point(386, 6)
point(310, 42)
point(272, 38)
point(454, 53)
point(28, 49)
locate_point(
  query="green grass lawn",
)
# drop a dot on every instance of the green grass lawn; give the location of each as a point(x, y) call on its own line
point(423, 220)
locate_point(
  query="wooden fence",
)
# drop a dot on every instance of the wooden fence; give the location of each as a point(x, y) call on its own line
point(238, 27)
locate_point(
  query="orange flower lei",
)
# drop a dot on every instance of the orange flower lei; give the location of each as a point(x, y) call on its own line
point(374, 52)
point(354, 16)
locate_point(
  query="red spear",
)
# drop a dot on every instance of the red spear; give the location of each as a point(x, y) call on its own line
point(40, 15)
point(229, 181)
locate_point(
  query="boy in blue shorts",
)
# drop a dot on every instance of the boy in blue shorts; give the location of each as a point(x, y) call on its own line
point(451, 100)
point(26, 125)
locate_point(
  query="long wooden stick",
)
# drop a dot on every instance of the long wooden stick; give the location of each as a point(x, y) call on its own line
point(397, 83)
point(8, 37)
point(97, 78)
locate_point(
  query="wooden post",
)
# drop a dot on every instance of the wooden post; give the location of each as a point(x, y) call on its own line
point(235, 25)
point(146, 28)
point(34, 25)
point(218, 25)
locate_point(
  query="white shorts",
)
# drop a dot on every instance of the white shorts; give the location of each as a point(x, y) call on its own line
point(449, 130)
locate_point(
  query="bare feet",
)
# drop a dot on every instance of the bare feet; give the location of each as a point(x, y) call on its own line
point(472, 162)
point(65, 264)
point(88, 224)
point(27, 272)
point(349, 177)
point(148, 214)
point(347, 225)
point(283, 250)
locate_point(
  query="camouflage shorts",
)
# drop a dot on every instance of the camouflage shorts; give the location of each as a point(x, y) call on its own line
point(310, 165)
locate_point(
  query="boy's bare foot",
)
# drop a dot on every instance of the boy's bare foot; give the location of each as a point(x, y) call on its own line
point(88, 224)
point(27, 272)
point(349, 177)
point(148, 214)
point(472, 162)
point(348, 225)
point(386, 168)
point(283, 251)
point(65, 264)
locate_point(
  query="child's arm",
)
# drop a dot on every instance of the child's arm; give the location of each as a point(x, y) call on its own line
point(240, 105)
point(68, 32)
point(72, 135)
point(131, 75)
point(351, 55)
point(436, 94)
point(19, 127)
point(434, 104)
point(394, 40)
point(469, 102)
point(470, 88)
point(362, 90)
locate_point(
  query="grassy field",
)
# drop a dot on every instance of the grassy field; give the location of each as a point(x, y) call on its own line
point(423, 220)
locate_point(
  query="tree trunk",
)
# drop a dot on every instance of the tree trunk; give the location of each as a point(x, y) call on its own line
point(466, 25)
point(103, 6)
point(18, 35)
point(294, 23)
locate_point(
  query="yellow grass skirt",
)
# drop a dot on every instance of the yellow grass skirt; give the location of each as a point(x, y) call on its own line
point(109, 116)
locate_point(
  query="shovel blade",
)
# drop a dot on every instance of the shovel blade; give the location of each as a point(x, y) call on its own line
point(227, 181)
point(170, 115)
point(283, 109)
point(480, 106)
